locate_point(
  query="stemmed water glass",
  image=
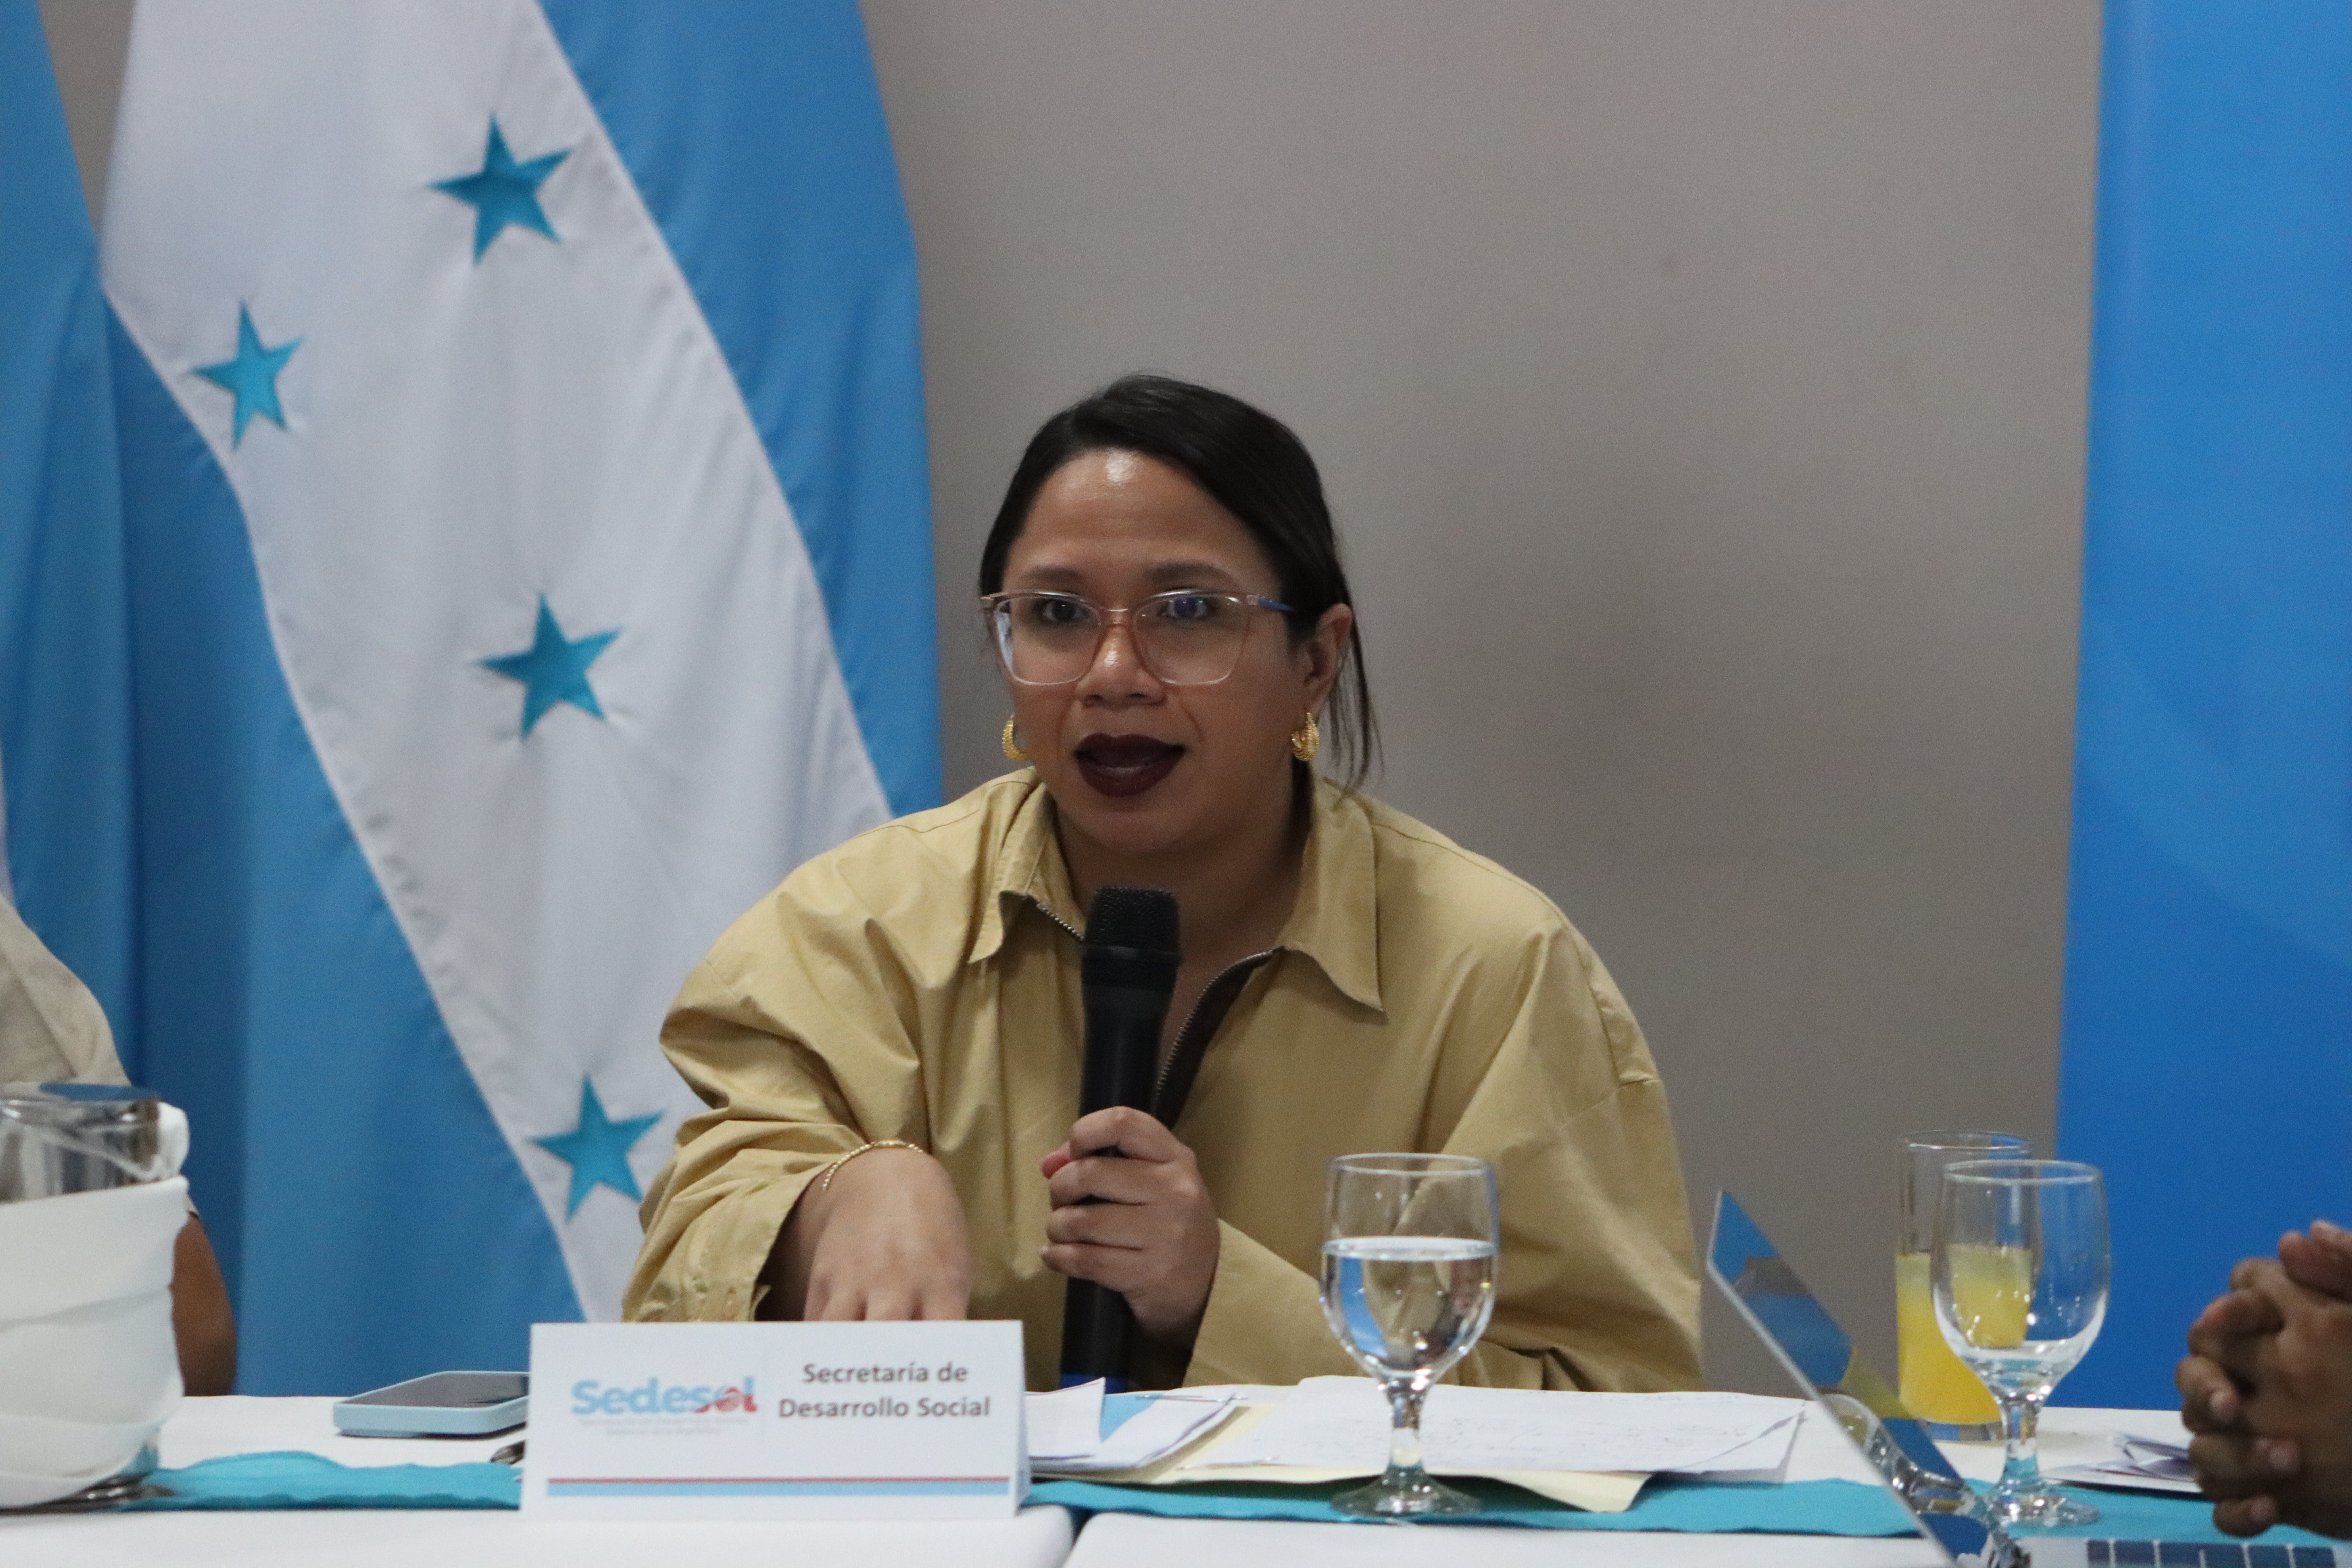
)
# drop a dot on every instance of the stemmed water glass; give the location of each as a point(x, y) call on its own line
point(2020, 1288)
point(1408, 1285)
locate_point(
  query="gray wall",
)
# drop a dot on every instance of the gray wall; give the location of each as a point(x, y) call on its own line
point(87, 40)
point(1700, 384)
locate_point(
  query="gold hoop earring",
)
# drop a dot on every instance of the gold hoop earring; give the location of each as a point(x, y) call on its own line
point(1012, 747)
point(1306, 741)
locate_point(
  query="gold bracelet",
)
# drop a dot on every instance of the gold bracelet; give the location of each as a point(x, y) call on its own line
point(824, 1182)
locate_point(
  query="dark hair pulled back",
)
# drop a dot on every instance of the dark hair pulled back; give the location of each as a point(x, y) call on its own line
point(1249, 463)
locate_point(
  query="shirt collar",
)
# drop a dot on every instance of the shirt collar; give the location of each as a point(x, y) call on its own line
point(1335, 920)
point(1029, 869)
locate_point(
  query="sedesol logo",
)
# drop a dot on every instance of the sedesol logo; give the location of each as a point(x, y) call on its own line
point(655, 1397)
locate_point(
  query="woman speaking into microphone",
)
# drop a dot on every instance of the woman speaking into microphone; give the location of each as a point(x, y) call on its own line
point(890, 1043)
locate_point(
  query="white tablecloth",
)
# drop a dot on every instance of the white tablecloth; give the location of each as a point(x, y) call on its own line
point(479, 1538)
point(1039, 1538)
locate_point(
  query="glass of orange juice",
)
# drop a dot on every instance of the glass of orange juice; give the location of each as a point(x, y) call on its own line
point(1934, 1385)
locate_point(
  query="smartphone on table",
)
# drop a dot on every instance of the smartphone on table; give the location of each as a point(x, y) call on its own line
point(441, 1405)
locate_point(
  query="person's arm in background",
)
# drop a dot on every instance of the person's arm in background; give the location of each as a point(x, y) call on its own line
point(201, 1319)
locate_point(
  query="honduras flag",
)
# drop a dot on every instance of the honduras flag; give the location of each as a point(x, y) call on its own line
point(2209, 964)
point(525, 564)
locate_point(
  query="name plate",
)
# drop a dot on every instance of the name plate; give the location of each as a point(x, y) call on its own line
point(775, 1421)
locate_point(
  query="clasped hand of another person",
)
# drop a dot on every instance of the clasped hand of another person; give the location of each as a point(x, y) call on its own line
point(2267, 1389)
point(884, 1239)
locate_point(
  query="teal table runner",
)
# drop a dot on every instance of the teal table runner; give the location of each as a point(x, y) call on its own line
point(309, 1480)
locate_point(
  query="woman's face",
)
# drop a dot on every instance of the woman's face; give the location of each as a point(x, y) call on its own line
point(1139, 767)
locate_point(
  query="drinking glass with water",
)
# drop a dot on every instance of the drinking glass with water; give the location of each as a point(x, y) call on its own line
point(1408, 1285)
point(2021, 1288)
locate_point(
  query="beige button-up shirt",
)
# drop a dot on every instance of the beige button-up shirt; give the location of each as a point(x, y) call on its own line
point(921, 982)
point(52, 1029)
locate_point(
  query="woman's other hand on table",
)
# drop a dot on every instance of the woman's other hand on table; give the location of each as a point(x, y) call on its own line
point(883, 1242)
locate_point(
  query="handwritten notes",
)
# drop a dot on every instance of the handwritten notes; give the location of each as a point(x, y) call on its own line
point(1342, 1423)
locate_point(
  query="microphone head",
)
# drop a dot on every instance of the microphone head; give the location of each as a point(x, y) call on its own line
point(1140, 918)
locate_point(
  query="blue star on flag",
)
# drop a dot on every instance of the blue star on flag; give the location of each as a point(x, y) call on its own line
point(504, 192)
point(597, 1149)
point(252, 375)
point(554, 669)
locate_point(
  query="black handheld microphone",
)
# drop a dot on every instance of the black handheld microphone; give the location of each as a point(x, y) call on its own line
point(1127, 977)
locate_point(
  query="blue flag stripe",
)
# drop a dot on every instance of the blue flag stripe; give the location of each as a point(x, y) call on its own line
point(756, 139)
point(65, 721)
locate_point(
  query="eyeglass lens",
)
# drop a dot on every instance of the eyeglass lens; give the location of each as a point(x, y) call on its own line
point(1184, 640)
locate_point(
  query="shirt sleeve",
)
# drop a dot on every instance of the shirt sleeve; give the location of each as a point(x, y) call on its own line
point(52, 1029)
point(1597, 1281)
point(792, 1033)
point(1264, 1322)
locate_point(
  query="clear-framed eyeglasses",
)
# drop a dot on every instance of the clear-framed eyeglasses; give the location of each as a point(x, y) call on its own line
point(1185, 639)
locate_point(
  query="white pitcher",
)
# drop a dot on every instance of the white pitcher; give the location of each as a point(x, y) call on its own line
point(91, 1204)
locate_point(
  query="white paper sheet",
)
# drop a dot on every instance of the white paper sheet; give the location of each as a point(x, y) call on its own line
point(1150, 1434)
point(2140, 1465)
point(1343, 1422)
point(1065, 1423)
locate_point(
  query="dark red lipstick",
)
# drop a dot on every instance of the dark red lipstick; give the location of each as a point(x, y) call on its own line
point(1121, 765)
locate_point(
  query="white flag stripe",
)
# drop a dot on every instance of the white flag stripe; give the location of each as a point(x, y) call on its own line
point(463, 436)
